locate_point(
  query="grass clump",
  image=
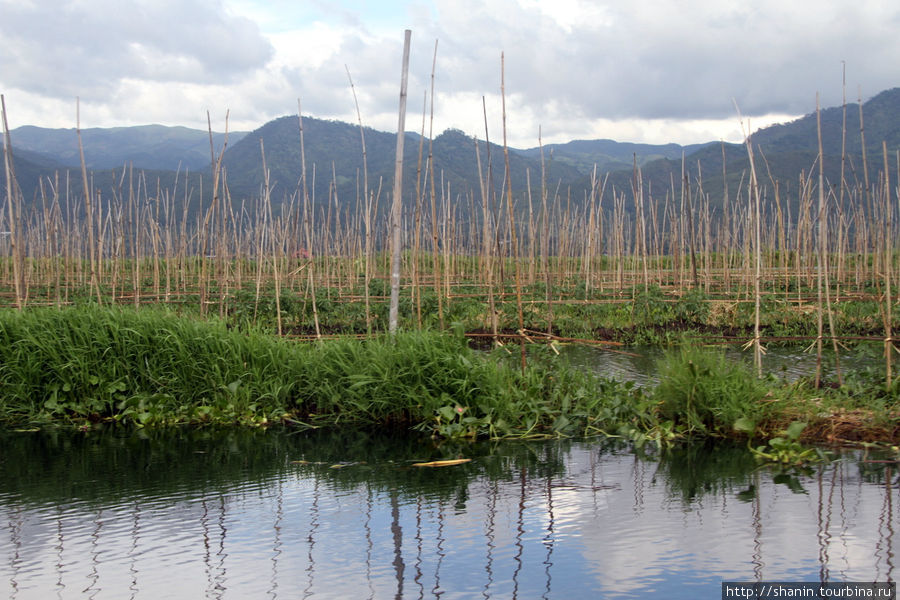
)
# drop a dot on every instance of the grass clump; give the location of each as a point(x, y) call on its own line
point(703, 392)
point(152, 367)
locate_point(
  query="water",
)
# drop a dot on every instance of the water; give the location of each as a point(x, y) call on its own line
point(638, 364)
point(266, 514)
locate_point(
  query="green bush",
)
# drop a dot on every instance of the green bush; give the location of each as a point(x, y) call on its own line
point(704, 392)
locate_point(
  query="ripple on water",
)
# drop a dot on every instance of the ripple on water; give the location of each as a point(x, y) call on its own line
point(568, 518)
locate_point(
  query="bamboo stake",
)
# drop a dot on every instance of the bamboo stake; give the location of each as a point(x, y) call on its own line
point(95, 284)
point(888, 266)
point(510, 214)
point(307, 210)
point(754, 197)
point(12, 200)
point(435, 260)
point(398, 192)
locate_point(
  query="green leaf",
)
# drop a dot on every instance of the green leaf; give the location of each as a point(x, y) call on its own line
point(794, 430)
point(744, 425)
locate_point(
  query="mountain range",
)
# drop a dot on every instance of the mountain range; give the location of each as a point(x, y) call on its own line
point(334, 158)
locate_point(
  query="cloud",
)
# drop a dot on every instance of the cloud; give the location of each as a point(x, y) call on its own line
point(573, 68)
point(79, 47)
point(665, 59)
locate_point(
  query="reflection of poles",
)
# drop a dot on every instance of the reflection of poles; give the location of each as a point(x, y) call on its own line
point(207, 557)
point(219, 579)
point(135, 536)
point(419, 540)
point(548, 539)
point(397, 534)
point(15, 533)
point(839, 483)
point(823, 515)
point(94, 575)
point(311, 540)
point(520, 532)
point(60, 546)
point(757, 531)
point(436, 590)
point(276, 546)
point(638, 484)
point(884, 546)
point(489, 534)
point(368, 529)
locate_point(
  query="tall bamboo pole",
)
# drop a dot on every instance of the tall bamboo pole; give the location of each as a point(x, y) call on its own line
point(398, 192)
point(87, 204)
point(510, 214)
point(755, 212)
point(12, 199)
point(307, 209)
point(888, 266)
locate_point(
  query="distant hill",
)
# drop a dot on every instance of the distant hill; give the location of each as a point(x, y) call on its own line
point(153, 147)
point(334, 159)
point(785, 151)
point(609, 155)
point(334, 155)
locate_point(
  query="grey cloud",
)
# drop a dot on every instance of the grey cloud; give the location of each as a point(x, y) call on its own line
point(87, 48)
point(667, 60)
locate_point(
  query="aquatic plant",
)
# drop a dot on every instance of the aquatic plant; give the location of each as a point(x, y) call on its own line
point(786, 449)
point(152, 367)
point(701, 391)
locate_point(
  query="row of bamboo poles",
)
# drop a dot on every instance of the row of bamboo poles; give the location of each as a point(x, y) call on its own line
point(141, 242)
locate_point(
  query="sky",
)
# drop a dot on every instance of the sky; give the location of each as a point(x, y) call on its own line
point(655, 71)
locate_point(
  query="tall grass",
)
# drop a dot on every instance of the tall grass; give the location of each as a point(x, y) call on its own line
point(153, 367)
point(703, 392)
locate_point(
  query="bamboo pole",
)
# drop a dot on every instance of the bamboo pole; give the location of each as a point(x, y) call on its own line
point(435, 260)
point(95, 284)
point(398, 192)
point(888, 267)
point(13, 205)
point(307, 210)
point(754, 198)
point(510, 214)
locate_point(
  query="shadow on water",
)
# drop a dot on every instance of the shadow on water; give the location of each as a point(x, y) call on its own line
point(255, 513)
point(111, 465)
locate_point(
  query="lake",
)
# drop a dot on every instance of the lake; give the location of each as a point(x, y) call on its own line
point(274, 514)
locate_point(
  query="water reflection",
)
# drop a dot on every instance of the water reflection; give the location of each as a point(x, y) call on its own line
point(268, 514)
point(638, 364)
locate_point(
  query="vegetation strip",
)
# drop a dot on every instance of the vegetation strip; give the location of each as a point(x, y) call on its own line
point(154, 368)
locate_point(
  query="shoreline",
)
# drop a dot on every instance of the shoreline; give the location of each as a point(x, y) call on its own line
point(153, 368)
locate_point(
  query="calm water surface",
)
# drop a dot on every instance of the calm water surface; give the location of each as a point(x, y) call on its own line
point(256, 514)
point(638, 364)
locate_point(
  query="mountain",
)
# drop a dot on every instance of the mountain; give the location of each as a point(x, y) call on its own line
point(154, 147)
point(334, 160)
point(609, 155)
point(785, 152)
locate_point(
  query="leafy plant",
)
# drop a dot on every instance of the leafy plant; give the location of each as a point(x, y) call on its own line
point(702, 392)
point(786, 449)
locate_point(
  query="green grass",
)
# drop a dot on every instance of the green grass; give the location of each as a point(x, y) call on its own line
point(702, 391)
point(152, 367)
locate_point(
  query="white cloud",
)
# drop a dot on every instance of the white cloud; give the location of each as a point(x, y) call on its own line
point(646, 72)
point(87, 48)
